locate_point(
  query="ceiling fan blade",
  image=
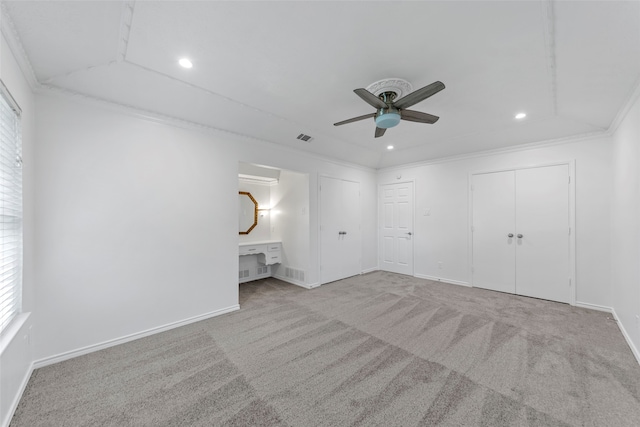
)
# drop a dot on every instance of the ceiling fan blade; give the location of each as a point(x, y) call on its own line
point(419, 95)
point(380, 132)
point(418, 116)
point(370, 98)
point(355, 119)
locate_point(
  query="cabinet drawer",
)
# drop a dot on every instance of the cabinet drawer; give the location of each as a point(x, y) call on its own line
point(273, 257)
point(274, 247)
point(248, 250)
point(269, 258)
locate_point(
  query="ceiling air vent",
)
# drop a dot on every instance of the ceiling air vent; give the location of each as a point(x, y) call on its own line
point(305, 138)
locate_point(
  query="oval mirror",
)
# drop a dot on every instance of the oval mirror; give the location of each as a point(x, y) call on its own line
point(247, 212)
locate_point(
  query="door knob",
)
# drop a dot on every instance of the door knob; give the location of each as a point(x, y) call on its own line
point(519, 236)
point(409, 233)
point(510, 235)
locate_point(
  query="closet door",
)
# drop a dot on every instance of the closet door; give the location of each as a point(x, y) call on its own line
point(542, 218)
point(340, 236)
point(494, 257)
point(330, 229)
point(520, 232)
point(351, 242)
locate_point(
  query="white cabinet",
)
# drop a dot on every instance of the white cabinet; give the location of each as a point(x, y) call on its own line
point(258, 266)
point(520, 232)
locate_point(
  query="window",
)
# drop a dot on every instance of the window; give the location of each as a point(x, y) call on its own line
point(10, 208)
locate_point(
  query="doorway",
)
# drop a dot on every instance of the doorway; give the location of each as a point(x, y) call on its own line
point(396, 228)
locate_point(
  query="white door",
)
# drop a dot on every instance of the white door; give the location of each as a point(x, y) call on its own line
point(542, 219)
point(520, 232)
point(351, 250)
point(340, 236)
point(494, 256)
point(396, 237)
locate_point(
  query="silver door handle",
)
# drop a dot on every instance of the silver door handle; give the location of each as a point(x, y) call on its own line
point(409, 233)
point(519, 236)
point(510, 235)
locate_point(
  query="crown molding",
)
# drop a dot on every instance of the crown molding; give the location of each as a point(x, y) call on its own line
point(624, 110)
point(10, 34)
point(126, 19)
point(485, 153)
point(153, 116)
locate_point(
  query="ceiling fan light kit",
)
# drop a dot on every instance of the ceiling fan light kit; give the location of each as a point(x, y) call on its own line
point(382, 96)
point(387, 120)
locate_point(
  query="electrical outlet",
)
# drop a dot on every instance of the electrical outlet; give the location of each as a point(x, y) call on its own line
point(440, 265)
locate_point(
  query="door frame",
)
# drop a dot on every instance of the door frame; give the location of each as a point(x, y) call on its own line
point(571, 164)
point(319, 231)
point(413, 221)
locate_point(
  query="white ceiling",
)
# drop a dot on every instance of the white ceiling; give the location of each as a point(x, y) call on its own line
point(273, 70)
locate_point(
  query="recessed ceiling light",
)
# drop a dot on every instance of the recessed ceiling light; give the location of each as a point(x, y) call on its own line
point(389, 147)
point(184, 62)
point(521, 116)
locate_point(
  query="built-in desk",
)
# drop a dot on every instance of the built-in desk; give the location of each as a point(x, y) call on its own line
point(266, 253)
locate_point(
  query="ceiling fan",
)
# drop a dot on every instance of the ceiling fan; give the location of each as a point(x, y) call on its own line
point(389, 112)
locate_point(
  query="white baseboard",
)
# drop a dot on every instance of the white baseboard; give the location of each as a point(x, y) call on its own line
point(594, 307)
point(17, 397)
point(626, 336)
point(110, 343)
point(370, 270)
point(443, 280)
point(295, 282)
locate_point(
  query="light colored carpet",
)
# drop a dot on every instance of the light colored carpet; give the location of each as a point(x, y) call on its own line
point(377, 349)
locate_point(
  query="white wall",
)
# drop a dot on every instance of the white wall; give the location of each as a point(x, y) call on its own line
point(16, 346)
point(444, 235)
point(290, 222)
point(625, 225)
point(130, 230)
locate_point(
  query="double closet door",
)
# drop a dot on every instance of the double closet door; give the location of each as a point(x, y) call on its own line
point(340, 235)
point(520, 232)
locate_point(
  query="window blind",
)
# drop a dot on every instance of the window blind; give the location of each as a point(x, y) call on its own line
point(10, 208)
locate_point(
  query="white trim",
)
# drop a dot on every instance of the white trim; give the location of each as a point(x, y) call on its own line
point(9, 334)
point(573, 268)
point(117, 341)
point(443, 280)
point(626, 336)
point(486, 153)
point(17, 397)
point(596, 307)
point(295, 282)
point(12, 329)
point(624, 110)
point(370, 270)
point(153, 116)
point(8, 29)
